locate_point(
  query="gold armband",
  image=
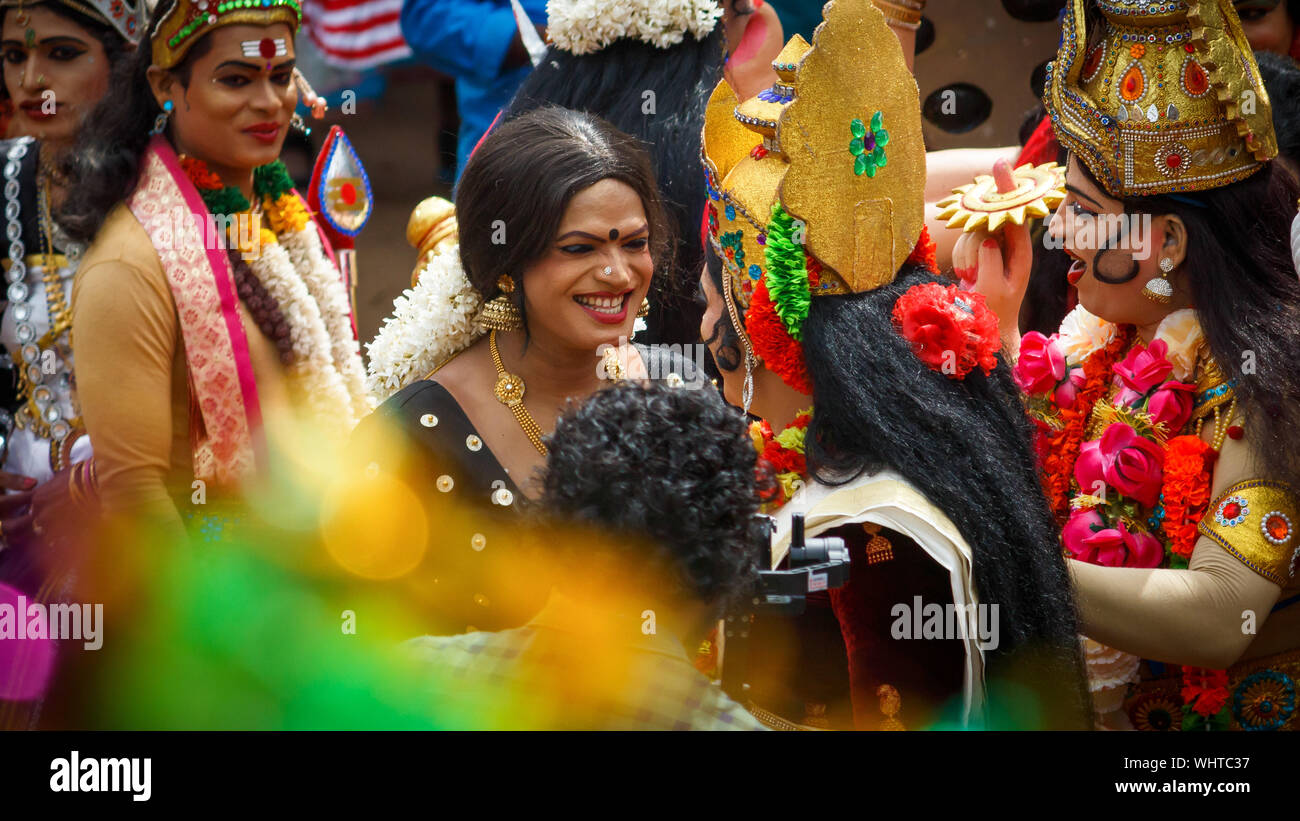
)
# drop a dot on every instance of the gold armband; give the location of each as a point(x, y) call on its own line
point(1253, 520)
point(901, 13)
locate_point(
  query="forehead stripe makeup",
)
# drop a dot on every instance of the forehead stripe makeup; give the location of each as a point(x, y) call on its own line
point(265, 48)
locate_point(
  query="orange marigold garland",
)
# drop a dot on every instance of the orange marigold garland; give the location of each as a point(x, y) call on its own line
point(286, 213)
point(1062, 446)
point(1186, 493)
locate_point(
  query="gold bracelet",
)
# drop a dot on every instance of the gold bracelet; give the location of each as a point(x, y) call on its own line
point(898, 15)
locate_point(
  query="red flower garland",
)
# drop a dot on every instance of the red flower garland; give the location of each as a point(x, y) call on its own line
point(775, 458)
point(1062, 446)
point(781, 354)
point(1186, 491)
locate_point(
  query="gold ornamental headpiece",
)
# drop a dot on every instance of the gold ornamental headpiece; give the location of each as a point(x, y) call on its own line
point(1165, 97)
point(190, 20)
point(816, 185)
point(126, 17)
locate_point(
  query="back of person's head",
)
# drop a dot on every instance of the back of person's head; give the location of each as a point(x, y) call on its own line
point(670, 473)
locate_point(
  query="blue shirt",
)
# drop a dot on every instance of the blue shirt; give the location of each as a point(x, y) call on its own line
point(468, 39)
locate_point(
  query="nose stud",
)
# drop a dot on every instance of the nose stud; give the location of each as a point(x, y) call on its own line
point(608, 270)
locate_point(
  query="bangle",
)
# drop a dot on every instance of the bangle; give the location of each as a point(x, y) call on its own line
point(907, 17)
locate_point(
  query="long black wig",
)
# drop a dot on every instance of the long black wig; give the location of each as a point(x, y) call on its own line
point(965, 445)
point(658, 96)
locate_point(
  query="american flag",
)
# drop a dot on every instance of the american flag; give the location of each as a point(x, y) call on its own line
point(356, 34)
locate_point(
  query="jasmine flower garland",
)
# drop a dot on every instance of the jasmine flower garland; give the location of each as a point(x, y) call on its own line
point(326, 372)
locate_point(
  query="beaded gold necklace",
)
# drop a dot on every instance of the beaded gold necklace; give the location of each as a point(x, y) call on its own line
point(509, 391)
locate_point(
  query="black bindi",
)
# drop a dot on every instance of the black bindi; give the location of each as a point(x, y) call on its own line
point(613, 233)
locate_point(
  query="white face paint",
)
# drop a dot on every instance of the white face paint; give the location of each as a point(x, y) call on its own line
point(265, 48)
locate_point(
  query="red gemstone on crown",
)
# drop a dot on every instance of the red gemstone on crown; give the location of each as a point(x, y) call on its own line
point(266, 48)
point(1173, 160)
point(1195, 79)
point(1231, 510)
point(1278, 528)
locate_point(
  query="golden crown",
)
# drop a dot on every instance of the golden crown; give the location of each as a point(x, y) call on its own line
point(190, 20)
point(835, 148)
point(1164, 98)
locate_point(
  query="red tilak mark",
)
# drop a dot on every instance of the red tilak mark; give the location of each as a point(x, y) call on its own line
point(266, 48)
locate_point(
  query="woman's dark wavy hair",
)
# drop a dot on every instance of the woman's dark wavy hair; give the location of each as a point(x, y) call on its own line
point(673, 466)
point(1246, 293)
point(104, 164)
point(115, 45)
point(614, 83)
point(520, 181)
point(965, 445)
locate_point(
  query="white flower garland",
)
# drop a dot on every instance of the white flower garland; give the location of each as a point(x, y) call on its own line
point(313, 377)
point(1083, 334)
point(586, 26)
point(430, 323)
point(326, 287)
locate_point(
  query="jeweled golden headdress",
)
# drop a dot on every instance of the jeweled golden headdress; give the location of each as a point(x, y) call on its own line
point(125, 16)
point(816, 186)
point(1165, 97)
point(190, 20)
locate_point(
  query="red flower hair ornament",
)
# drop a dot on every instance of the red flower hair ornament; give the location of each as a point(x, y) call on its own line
point(951, 331)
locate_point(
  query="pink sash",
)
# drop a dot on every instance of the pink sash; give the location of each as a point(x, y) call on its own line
point(225, 415)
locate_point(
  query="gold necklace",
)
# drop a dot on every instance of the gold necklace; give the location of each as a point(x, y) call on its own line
point(509, 391)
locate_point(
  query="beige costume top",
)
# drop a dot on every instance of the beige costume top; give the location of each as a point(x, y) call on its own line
point(131, 371)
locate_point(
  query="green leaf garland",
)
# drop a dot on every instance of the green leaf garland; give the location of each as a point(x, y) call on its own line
point(787, 273)
point(271, 180)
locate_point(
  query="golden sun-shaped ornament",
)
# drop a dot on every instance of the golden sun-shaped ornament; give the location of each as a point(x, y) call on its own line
point(1036, 192)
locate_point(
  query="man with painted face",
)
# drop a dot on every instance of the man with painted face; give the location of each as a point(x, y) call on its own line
point(215, 321)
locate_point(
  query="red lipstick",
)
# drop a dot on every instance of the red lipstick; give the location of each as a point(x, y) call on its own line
point(35, 109)
point(606, 314)
point(266, 132)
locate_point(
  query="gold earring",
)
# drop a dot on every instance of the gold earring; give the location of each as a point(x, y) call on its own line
point(501, 314)
point(1159, 289)
point(644, 310)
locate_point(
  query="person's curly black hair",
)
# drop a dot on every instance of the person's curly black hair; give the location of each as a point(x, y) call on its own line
point(674, 466)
